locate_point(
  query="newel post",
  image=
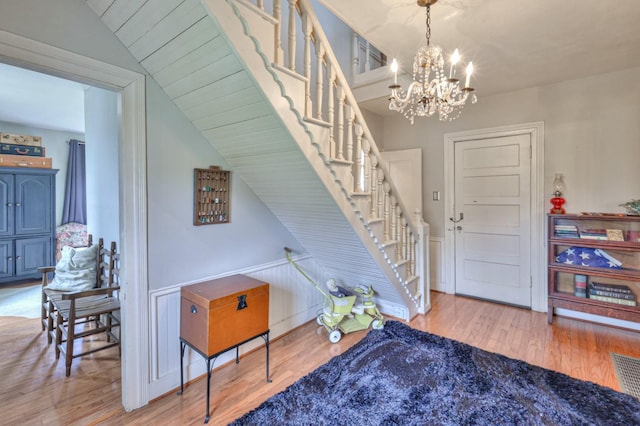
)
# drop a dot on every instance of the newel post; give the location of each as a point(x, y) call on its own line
point(422, 262)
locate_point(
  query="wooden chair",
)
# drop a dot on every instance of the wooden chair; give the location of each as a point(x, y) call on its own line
point(47, 315)
point(95, 310)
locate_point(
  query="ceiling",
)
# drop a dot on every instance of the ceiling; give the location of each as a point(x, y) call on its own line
point(513, 44)
point(39, 100)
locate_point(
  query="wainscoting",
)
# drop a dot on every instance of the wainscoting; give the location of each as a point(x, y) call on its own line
point(293, 301)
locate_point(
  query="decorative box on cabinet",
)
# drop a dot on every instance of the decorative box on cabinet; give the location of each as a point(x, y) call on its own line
point(27, 217)
point(222, 314)
point(572, 258)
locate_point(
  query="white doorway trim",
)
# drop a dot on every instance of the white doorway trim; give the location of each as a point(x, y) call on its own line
point(26, 53)
point(538, 268)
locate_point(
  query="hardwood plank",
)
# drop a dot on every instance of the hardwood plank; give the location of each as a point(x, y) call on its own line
point(34, 390)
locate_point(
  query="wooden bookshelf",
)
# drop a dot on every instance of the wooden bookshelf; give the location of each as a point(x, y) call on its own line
point(614, 269)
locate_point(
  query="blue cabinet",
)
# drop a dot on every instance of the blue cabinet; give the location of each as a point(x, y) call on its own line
point(27, 222)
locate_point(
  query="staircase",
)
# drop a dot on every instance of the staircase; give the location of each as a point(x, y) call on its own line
point(266, 90)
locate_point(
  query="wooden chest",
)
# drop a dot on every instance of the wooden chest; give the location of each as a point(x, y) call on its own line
point(219, 314)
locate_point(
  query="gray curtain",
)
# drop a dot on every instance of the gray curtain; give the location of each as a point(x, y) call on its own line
point(75, 200)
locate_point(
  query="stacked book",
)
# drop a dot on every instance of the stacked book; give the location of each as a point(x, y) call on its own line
point(594, 234)
point(580, 289)
point(612, 293)
point(566, 231)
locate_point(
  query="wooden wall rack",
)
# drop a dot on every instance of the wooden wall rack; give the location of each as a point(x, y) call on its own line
point(211, 196)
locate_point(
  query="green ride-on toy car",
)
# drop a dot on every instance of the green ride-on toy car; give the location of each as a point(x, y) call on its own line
point(340, 313)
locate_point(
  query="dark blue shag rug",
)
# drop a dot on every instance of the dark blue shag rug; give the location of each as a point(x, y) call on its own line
point(402, 376)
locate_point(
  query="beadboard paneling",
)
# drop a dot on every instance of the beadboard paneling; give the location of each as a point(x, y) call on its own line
point(293, 301)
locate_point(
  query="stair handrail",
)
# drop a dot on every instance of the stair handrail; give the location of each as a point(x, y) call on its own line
point(333, 61)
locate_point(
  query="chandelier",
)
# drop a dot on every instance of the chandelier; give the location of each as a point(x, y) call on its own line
point(431, 91)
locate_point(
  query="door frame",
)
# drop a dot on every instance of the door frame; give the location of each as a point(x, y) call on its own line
point(537, 212)
point(131, 86)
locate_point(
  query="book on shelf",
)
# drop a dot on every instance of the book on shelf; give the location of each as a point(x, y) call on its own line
point(613, 300)
point(566, 231)
point(580, 285)
point(617, 288)
point(594, 234)
point(596, 292)
point(615, 235)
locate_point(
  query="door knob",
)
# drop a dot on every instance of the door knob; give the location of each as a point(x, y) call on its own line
point(459, 228)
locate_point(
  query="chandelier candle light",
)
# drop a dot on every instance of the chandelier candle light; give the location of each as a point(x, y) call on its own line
point(431, 91)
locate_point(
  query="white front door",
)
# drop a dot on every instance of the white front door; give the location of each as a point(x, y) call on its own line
point(492, 187)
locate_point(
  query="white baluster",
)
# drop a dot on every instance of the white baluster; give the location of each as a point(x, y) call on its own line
point(277, 14)
point(404, 239)
point(351, 117)
point(394, 223)
point(367, 56)
point(331, 111)
point(260, 5)
point(366, 148)
point(306, 30)
point(374, 187)
point(380, 177)
point(386, 187)
point(359, 178)
point(355, 55)
point(319, 78)
point(412, 255)
point(341, 105)
point(400, 236)
point(292, 34)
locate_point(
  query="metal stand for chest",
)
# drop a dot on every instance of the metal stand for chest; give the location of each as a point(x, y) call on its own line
point(211, 359)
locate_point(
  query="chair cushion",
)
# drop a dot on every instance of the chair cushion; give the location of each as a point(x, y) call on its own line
point(76, 269)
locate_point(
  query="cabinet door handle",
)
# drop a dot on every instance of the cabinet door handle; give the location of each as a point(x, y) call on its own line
point(18, 258)
point(17, 204)
point(10, 258)
point(194, 310)
point(9, 204)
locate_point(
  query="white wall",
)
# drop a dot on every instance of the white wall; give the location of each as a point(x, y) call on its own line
point(102, 125)
point(592, 135)
point(57, 148)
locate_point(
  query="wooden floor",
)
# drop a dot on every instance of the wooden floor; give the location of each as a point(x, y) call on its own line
point(34, 390)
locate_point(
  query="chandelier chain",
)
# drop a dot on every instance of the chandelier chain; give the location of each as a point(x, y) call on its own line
point(428, 22)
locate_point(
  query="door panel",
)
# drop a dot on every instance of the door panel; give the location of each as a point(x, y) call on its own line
point(492, 242)
point(33, 204)
point(31, 254)
point(6, 259)
point(6, 204)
